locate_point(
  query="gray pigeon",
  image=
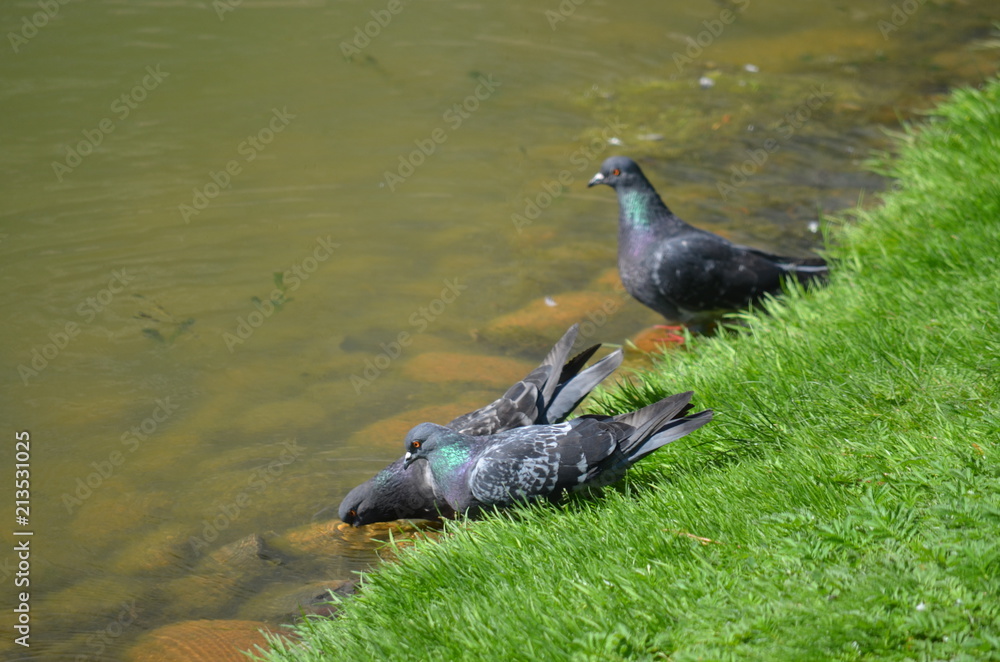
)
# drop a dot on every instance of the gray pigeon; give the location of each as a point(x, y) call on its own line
point(684, 273)
point(474, 473)
point(547, 395)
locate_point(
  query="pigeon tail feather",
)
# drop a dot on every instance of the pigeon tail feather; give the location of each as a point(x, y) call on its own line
point(526, 402)
point(575, 364)
point(672, 431)
point(649, 418)
point(576, 389)
point(556, 360)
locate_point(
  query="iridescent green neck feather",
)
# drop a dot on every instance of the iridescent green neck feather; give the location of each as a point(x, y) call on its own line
point(446, 460)
point(635, 207)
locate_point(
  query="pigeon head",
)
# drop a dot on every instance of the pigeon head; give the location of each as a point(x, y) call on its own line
point(423, 439)
point(619, 171)
point(393, 493)
point(354, 508)
point(380, 499)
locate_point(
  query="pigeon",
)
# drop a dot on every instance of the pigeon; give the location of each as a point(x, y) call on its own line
point(686, 274)
point(547, 395)
point(477, 473)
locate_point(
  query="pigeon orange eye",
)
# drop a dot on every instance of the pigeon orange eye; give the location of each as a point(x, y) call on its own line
point(616, 172)
point(352, 513)
point(416, 444)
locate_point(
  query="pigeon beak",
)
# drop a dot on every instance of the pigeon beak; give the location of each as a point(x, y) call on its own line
point(597, 179)
point(408, 459)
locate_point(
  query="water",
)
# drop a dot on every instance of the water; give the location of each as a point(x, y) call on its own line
point(163, 161)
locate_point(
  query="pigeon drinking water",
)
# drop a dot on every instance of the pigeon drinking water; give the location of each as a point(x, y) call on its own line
point(684, 273)
point(547, 395)
point(474, 473)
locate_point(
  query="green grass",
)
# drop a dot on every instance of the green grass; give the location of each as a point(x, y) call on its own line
point(848, 491)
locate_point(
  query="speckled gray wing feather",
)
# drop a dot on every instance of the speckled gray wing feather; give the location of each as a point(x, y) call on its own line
point(516, 408)
point(538, 462)
point(526, 402)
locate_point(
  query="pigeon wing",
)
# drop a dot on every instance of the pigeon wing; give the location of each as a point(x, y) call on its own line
point(526, 402)
point(572, 391)
point(517, 466)
point(516, 408)
point(701, 271)
point(539, 461)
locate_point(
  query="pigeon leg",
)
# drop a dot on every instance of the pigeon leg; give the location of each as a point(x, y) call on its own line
point(671, 336)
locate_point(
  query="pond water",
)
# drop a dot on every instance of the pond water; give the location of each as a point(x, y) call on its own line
point(218, 218)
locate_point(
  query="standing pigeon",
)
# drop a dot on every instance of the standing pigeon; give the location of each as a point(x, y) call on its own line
point(681, 272)
point(547, 395)
point(475, 473)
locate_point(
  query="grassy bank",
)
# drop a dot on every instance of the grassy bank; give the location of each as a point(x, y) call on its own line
point(845, 503)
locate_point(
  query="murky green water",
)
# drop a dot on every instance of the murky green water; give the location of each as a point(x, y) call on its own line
point(162, 161)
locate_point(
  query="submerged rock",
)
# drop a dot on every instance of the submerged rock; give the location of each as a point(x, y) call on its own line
point(164, 547)
point(220, 579)
point(199, 641)
point(335, 538)
point(245, 552)
point(537, 323)
point(490, 371)
point(283, 602)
